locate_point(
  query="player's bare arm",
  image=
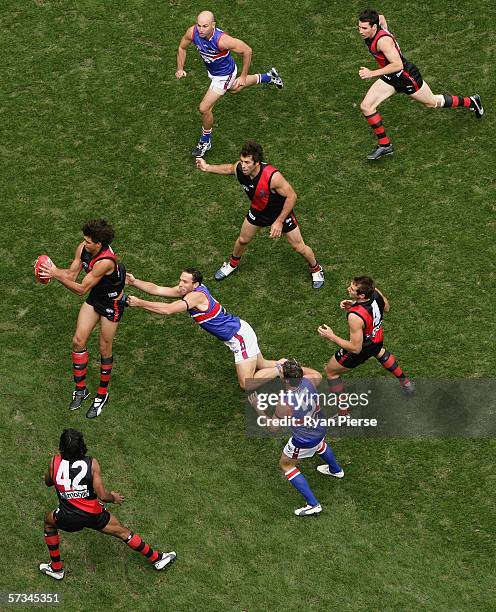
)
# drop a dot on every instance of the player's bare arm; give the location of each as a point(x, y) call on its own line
point(281, 186)
point(102, 493)
point(385, 45)
point(312, 375)
point(100, 269)
point(387, 306)
point(202, 165)
point(49, 475)
point(186, 40)
point(383, 22)
point(354, 344)
point(190, 300)
point(152, 288)
point(228, 43)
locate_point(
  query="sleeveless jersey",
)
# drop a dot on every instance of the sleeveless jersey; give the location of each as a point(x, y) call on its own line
point(258, 189)
point(304, 403)
point(217, 61)
point(371, 313)
point(379, 57)
point(74, 485)
point(215, 319)
point(111, 286)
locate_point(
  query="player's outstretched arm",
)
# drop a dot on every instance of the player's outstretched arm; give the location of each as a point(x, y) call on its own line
point(186, 40)
point(151, 288)
point(102, 493)
point(100, 269)
point(202, 165)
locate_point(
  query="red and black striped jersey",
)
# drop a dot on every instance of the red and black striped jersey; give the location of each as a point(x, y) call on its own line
point(73, 482)
point(371, 313)
point(111, 285)
point(258, 188)
point(379, 57)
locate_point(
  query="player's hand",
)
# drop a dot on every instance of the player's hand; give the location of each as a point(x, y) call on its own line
point(276, 229)
point(365, 73)
point(118, 499)
point(130, 279)
point(132, 300)
point(201, 164)
point(281, 361)
point(346, 304)
point(48, 271)
point(239, 83)
point(325, 331)
point(180, 74)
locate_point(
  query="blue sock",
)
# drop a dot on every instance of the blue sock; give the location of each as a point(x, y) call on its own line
point(264, 78)
point(300, 483)
point(206, 135)
point(328, 456)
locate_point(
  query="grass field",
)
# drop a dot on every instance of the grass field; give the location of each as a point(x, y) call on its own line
point(94, 123)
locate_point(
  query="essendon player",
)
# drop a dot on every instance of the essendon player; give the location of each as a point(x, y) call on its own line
point(364, 313)
point(105, 279)
point(397, 75)
point(272, 202)
point(195, 299)
point(80, 489)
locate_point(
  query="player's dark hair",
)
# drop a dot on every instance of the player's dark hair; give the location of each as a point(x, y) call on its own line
point(99, 231)
point(369, 16)
point(71, 445)
point(254, 149)
point(196, 274)
point(292, 372)
point(365, 285)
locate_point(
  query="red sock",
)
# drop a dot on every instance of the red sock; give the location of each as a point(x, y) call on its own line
point(456, 101)
point(79, 367)
point(389, 362)
point(136, 543)
point(105, 373)
point(375, 122)
point(52, 540)
point(234, 261)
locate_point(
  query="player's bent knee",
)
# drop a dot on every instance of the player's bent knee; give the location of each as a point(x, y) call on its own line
point(367, 109)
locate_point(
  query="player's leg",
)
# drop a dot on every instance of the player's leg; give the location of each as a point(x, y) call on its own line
point(245, 370)
point(331, 466)
point(271, 78)
point(378, 92)
point(115, 528)
point(246, 235)
point(425, 96)
point(287, 463)
point(86, 322)
point(334, 370)
point(205, 108)
point(108, 329)
point(389, 362)
point(296, 242)
point(54, 569)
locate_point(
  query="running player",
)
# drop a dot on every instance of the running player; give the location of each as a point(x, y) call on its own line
point(272, 202)
point(80, 489)
point(104, 280)
point(301, 405)
point(364, 313)
point(397, 75)
point(197, 301)
point(215, 48)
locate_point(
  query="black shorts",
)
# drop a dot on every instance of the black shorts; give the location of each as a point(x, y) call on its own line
point(75, 521)
point(108, 308)
point(260, 220)
point(352, 360)
point(408, 82)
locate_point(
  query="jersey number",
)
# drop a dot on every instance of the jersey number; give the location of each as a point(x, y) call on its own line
point(63, 477)
point(376, 313)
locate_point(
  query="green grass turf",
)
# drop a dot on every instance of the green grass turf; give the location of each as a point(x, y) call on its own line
point(94, 123)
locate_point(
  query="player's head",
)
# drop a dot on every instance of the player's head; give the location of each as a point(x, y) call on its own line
point(190, 279)
point(250, 156)
point(292, 372)
point(361, 288)
point(71, 445)
point(97, 234)
point(205, 24)
point(368, 22)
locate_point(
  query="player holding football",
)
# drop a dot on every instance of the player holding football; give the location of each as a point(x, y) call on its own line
point(272, 203)
point(105, 279)
point(195, 299)
point(397, 75)
point(301, 405)
point(215, 48)
point(80, 489)
point(364, 313)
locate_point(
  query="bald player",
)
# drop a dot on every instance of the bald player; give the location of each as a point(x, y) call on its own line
point(215, 48)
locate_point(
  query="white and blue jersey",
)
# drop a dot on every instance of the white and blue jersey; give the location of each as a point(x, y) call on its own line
point(307, 428)
point(215, 319)
point(217, 61)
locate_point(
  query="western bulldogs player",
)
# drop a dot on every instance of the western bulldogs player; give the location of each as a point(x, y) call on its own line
point(105, 279)
point(397, 75)
point(80, 489)
point(204, 309)
point(272, 201)
point(364, 313)
point(301, 405)
point(215, 48)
